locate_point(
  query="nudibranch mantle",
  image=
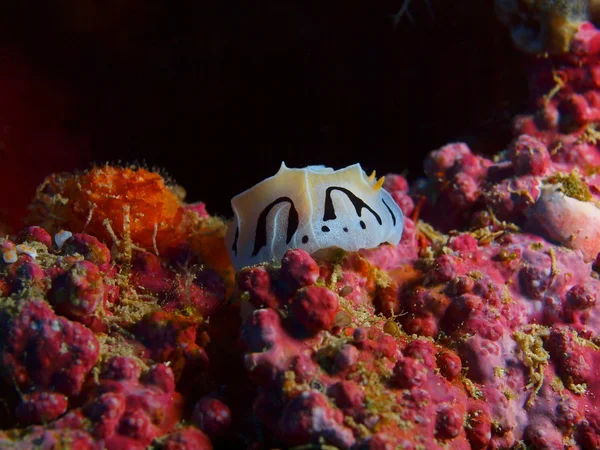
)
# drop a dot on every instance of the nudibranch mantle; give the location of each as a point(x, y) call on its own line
point(311, 208)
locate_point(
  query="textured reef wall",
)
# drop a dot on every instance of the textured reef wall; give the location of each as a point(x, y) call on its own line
point(124, 326)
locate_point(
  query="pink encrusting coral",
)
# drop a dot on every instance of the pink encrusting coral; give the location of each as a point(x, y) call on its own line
point(125, 409)
point(547, 181)
point(85, 349)
point(480, 329)
point(490, 339)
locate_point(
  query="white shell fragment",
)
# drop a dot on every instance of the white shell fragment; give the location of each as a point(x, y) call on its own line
point(9, 256)
point(311, 208)
point(26, 250)
point(9, 252)
point(568, 221)
point(61, 237)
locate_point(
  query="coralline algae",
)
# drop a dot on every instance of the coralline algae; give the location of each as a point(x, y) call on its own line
point(124, 327)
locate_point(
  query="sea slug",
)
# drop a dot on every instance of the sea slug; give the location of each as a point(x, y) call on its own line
point(312, 208)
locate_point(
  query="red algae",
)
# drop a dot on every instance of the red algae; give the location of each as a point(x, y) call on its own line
point(130, 207)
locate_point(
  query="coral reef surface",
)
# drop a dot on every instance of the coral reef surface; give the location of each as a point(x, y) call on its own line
point(123, 325)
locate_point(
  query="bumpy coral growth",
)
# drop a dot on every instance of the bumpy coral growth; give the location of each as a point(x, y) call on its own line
point(93, 341)
point(547, 180)
point(122, 410)
point(488, 340)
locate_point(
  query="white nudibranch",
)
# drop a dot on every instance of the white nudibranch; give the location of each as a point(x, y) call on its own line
point(311, 208)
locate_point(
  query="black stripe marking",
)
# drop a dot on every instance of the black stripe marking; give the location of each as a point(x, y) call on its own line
point(235, 240)
point(358, 204)
point(260, 238)
point(391, 212)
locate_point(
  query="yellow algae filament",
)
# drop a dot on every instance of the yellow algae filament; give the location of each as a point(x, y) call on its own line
point(534, 356)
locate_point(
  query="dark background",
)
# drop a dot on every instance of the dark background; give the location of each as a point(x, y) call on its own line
point(219, 93)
